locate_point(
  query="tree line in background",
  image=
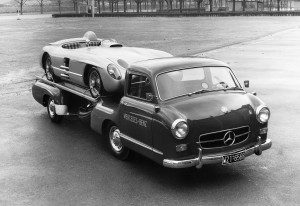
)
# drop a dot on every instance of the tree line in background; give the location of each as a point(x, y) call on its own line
point(152, 5)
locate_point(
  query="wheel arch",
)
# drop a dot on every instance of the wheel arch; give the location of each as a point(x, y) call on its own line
point(45, 99)
point(44, 55)
point(54, 97)
point(105, 125)
point(86, 72)
point(119, 150)
point(87, 69)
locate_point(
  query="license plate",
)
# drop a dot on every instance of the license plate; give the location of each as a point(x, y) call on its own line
point(231, 158)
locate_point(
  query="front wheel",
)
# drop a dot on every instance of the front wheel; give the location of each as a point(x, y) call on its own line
point(49, 70)
point(115, 143)
point(51, 111)
point(95, 84)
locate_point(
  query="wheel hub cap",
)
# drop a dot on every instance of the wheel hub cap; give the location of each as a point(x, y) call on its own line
point(116, 140)
point(52, 108)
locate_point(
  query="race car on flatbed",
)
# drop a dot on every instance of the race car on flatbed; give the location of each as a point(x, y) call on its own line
point(93, 63)
point(178, 111)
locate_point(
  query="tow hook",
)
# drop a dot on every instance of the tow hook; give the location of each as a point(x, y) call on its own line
point(258, 148)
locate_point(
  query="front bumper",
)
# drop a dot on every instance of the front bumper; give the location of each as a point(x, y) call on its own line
point(201, 160)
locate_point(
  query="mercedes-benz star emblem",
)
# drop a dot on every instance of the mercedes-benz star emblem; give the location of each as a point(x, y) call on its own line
point(229, 138)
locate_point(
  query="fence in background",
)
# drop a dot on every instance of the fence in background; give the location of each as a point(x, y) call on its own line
point(163, 8)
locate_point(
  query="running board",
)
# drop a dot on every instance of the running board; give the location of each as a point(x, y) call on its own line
point(85, 96)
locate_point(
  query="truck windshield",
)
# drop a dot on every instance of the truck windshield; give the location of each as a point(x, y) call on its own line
point(195, 80)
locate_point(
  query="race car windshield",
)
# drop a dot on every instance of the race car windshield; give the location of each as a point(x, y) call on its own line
point(195, 80)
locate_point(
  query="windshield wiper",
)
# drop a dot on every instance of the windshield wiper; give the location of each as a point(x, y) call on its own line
point(233, 88)
point(206, 90)
point(199, 92)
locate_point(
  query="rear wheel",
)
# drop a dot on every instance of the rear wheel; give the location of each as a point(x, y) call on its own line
point(95, 83)
point(49, 69)
point(51, 111)
point(115, 143)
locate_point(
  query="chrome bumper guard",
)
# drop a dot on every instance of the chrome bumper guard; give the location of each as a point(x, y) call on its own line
point(201, 160)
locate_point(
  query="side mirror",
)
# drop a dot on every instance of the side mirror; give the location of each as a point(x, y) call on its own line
point(246, 83)
point(149, 97)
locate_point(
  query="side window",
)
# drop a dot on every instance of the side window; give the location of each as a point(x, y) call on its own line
point(139, 86)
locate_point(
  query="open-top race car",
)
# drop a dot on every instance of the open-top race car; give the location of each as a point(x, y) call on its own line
point(95, 64)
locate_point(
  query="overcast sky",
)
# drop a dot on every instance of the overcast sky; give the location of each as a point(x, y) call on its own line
point(5, 1)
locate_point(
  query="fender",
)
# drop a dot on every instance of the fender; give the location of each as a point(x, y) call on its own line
point(46, 49)
point(85, 61)
point(41, 90)
point(106, 111)
point(114, 85)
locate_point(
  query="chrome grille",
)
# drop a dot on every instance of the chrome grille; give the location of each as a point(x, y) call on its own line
point(216, 139)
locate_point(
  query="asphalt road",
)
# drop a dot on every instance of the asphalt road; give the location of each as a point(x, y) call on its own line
point(47, 164)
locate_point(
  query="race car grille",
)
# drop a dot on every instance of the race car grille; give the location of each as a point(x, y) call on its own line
point(224, 138)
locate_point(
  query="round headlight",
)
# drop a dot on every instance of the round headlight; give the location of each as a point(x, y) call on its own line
point(262, 114)
point(180, 129)
point(114, 72)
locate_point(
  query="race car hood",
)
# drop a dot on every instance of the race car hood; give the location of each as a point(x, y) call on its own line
point(127, 54)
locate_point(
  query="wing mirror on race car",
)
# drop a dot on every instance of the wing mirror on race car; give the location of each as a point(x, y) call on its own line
point(246, 83)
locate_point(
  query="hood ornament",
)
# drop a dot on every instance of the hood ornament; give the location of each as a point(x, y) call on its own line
point(224, 109)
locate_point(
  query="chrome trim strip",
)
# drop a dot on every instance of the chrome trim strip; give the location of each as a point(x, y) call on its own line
point(157, 151)
point(131, 101)
point(215, 159)
point(242, 134)
point(64, 67)
point(65, 75)
point(140, 143)
point(63, 70)
point(75, 74)
point(105, 109)
point(58, 69)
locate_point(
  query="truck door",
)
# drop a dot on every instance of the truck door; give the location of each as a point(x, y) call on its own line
point(137, 110)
